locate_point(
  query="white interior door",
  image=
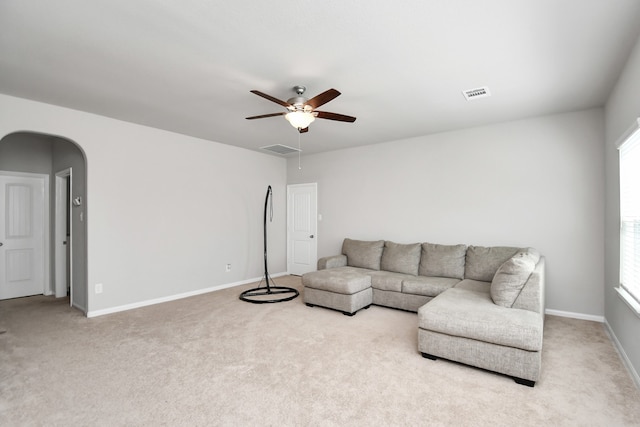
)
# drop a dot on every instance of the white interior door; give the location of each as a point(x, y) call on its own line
point(22, 235)
point(62, 244)
point(302, 224)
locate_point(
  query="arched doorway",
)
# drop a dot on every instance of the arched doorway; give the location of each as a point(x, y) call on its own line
point(63, 165)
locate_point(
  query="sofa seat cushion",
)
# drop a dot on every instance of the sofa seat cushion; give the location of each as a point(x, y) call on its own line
point(342, 280)
point(473, 315)
point(388, 281)
point(427, 286)
point(363, 254)
point(442, 260)
point(474, 285)
point(482, 263)
point(400, 258)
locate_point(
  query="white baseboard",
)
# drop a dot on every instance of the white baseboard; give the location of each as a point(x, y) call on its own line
point(572, 315)
point(96, 313)
point(623, 355)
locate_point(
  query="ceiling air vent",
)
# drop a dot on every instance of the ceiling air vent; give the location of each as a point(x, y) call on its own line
point(480, 92)
point(280, 149)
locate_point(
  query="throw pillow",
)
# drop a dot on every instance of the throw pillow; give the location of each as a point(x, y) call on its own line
point(363, 254)
point(442, 260)
point(400, 258)
point(511, 277)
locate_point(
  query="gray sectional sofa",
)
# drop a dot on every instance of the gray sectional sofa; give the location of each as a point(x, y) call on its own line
point(481, 306)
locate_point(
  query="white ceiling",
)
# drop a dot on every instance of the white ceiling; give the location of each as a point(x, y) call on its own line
point(187, 66)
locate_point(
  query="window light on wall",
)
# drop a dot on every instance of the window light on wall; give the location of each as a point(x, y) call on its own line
point(629, 151)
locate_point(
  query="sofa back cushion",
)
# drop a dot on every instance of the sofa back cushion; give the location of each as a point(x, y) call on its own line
point(512, 276)
point(363, 254)
point(400, 258)
point(482, 263)
point(442, 260)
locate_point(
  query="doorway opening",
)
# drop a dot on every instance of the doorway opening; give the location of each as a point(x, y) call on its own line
point(63, 242)
point(64, 163)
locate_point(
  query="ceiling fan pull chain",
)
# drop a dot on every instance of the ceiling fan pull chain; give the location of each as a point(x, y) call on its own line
point(299, 150)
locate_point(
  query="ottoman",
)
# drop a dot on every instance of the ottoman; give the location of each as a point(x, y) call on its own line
point(344, 289)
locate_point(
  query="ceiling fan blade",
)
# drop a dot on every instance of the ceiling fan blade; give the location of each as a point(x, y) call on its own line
point(266, 115)
point(304, 130)
point(271, 98)
point(335, 116)
point(323, 98)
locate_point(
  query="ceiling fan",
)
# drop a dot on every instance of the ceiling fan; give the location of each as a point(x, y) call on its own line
point(302, 111)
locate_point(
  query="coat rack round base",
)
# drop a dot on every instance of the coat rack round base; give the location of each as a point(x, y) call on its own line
point(268, 294)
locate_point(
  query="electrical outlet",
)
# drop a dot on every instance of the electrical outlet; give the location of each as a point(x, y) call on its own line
point(98, 288)
point(228, 268)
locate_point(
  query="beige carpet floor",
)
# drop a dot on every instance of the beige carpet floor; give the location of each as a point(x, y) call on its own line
point(215, 360)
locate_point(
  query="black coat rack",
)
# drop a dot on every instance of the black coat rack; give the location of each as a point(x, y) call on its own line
point(268, 293)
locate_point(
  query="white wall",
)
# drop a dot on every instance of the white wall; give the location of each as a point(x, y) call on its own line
point(165, 211)
point(623, 107)
point(536, 182)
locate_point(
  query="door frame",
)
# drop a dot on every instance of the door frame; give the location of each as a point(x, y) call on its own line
point(312, 220)
point(46, 219)
point(62, 212)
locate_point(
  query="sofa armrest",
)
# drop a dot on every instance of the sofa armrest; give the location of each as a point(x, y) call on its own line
point(332, 262)
point(532, 296)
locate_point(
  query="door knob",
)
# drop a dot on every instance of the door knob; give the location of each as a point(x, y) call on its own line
point(1, 243)
point(311, 237)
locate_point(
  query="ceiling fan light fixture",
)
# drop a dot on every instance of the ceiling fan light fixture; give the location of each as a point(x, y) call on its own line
point(300, 119)
point(301, 112)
